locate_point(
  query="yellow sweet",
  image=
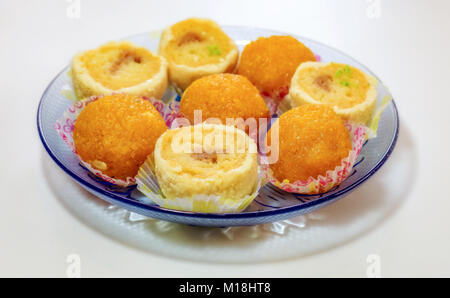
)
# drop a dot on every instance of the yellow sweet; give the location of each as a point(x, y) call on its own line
point(121, 67)
point(223, 96)
point(312, 140)
point(116, 133)
point(195, 48)
point(345, 88)
point(207, 160)
point(270, 62)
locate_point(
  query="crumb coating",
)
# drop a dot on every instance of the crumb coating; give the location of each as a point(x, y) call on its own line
point(116, 133)
point(269, 63)
point(312, 140)
point(223, 96)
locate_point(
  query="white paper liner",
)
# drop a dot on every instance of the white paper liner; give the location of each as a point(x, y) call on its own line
point(65, 125)
point(332, 178)
point(147, 183)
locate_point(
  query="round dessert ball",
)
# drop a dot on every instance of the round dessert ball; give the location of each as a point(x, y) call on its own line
point(223, 96)
point(312, 140)
point(116, 133)
point(270, 62)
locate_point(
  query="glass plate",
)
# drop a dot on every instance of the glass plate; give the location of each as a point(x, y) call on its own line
point(272, 204)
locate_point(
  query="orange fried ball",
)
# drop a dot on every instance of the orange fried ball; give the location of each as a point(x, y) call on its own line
point(116, 133)
point(223, 96)
point(312, 140)
point(270, 62)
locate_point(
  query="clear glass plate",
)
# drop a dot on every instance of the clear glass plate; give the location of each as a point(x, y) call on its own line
point(272, 204)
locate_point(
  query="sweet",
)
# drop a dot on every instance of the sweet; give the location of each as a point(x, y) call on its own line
point(208, 164)
point(121, 67)
point(116, 133)
point(349, 91)
point(312, 140)
point(224, 96)
point(195, 48)
point(270, 62)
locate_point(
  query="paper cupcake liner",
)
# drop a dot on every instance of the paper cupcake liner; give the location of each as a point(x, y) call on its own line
point(332, 178)
point(64, 126)
point(277, 95)
point(374, 122)
point(147, 183)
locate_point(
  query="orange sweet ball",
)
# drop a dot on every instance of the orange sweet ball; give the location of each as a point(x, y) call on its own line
point(116, 133)
point(270, 62)
point(223, 96)
point(312, 140)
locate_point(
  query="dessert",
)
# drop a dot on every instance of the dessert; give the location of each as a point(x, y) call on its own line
point(350, 92)
point(120, 67)
point(116, 133)
point(119, 135)
point(312, 140)
point(270, 62)
point(224, 96)
point(205, 167)
point(195, 48)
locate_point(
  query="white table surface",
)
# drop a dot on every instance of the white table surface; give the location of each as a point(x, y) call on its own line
point(406, 43)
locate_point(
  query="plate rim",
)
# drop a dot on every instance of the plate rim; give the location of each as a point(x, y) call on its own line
point(226, 216)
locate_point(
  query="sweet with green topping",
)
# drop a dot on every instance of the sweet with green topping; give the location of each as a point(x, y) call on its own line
point(214, 50)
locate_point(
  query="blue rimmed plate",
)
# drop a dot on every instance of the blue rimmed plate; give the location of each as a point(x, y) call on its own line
point(272, 204)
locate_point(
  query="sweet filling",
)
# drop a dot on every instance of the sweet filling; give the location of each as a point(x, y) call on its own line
point(208, 157)
point(324, 82)
point(189, 37)
point(124, 58)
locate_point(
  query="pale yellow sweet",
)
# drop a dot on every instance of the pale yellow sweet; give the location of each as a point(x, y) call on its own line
point(206, 159)
point(350, 92)
point(119, 67)
point(195, 48)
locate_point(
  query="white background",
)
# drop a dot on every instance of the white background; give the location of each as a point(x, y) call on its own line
point(407, 45)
